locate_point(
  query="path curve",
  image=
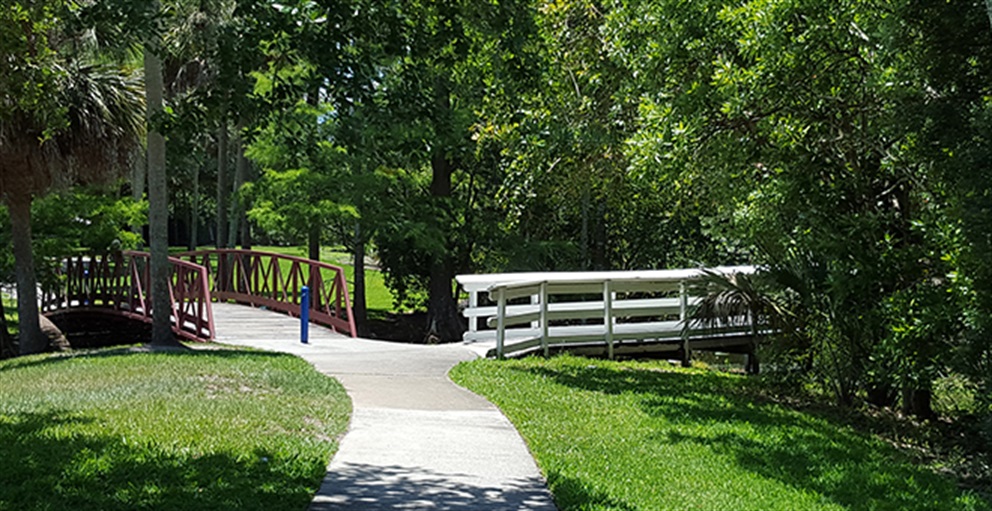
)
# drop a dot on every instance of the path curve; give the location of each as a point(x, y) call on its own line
point(416, 440)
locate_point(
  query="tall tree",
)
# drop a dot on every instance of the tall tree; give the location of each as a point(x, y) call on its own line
point(448, 58)
point(63, 121)
point(158, 207)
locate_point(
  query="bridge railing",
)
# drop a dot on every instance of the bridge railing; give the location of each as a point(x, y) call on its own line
point(275, 281)
point(555, 309)
point(120, 282)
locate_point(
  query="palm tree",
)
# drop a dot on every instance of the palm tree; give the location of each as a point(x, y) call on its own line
point(94, 126)
point(729, 297)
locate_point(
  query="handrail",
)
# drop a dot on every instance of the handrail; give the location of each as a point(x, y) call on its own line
point(274, 281)
point(120, 282)
point(619, 306)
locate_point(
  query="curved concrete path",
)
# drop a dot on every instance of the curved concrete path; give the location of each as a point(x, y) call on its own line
point(416, 440)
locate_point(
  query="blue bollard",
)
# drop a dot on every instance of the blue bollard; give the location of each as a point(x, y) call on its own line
point(305, 315)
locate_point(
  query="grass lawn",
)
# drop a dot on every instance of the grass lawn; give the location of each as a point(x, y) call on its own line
point(646, 436)
point(211, 429)
point(10, 312)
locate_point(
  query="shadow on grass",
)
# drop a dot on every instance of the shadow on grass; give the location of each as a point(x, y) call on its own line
point(378, 487)
point(803, 450)
point(571, 493)
point(126, 351)
point(47, 465)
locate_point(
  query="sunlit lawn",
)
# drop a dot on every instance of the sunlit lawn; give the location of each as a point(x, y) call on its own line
point(645, 436)
point(218, 430)
point(10, 312)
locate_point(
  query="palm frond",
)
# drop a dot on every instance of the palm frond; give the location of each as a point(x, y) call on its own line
point(729, 299)
point(102, 125)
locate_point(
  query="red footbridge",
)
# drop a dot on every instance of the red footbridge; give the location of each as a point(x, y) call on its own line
point(118, 284)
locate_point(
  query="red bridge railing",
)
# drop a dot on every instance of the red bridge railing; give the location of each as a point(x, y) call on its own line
point(274, 281)
point(120, 282)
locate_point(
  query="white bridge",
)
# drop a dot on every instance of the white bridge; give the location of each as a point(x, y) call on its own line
point(622, 312)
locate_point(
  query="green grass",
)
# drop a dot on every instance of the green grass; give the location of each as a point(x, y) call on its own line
point(10, 313)
point(645, 436)
point(218, 430)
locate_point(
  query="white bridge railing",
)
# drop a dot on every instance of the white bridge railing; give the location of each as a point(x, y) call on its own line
point(527, 311)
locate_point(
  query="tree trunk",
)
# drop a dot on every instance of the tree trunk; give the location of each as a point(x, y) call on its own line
point(917, 402)
point(237, 208)
point(31, 338)
point(313, 241)
point(138, 179)
point(988, 10)
point(443, 324)
point(246, 240)
point(223, 187)
point(880, 394)
point(358, 306)
point(194, 212)
point(158, 208)
point(600, 256)
point(251, 174)
point(584, 241)
point(442, 314)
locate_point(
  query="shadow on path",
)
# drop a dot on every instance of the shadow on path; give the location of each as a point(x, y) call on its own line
point(375, 488)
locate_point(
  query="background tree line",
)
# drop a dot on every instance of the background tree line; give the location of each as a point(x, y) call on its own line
point(841, 146)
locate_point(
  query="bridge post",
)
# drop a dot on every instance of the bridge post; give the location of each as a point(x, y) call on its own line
point(683, 317)
point(500, 322)
point(305, 314)
point(544, 317)
point(608, 316)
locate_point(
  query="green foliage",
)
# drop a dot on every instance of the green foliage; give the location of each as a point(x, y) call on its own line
point(28, 75)
point(120, 430)
point(642, 435)
point(301, 171)
point(80, 220)
point(10, 313)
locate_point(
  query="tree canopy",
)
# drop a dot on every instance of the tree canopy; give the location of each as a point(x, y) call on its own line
point(842, 147)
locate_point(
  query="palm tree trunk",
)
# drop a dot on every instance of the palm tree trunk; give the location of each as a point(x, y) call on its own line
point(31, 338)
point(158, 212)
point(138, 178)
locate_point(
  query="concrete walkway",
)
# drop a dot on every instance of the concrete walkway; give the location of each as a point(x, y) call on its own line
point(416, 440)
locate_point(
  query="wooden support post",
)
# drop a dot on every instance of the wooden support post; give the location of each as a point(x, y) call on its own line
point(608, 316)
point(751, 365)
point(683, 317)
point(544, 317)
point(500, 321)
